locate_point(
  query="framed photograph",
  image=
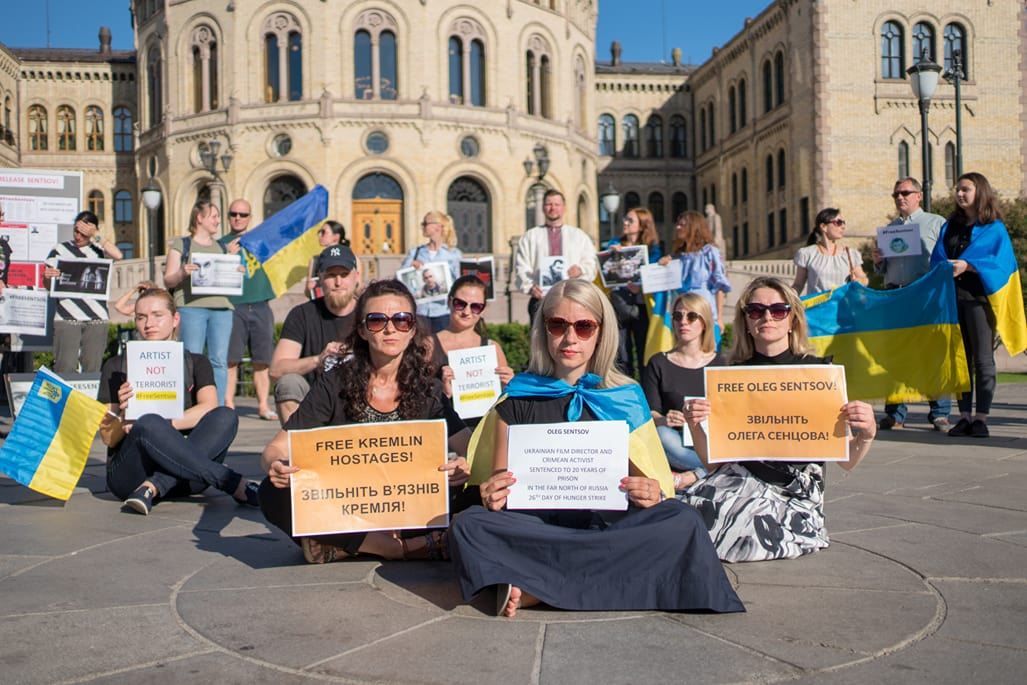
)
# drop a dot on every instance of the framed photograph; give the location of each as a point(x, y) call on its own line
point(218, 274)
point(485, 269)
point(622, 266)
point(550, 272)
point(430, 283)
point(84, 279)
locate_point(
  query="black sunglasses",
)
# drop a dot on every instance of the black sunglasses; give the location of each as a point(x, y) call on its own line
point(238, 215)
point(460, 305)
point(904, 193)
point(691, 316)
point(583, 328)
point(401, 321)
point(778, 310)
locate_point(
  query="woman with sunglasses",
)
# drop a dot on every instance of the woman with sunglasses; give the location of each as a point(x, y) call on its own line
point(628, 301)
point(437, 227)
point(387, 377)
point(825, 264)
point(656, 555)
point(759, 510)
point(331, 233)
point(702, 265)
point(670, 377)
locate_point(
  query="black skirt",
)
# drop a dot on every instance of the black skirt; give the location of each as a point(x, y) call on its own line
point(660, 558)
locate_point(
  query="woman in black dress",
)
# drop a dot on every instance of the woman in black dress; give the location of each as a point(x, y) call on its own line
point(758, 510)
point(656, 555)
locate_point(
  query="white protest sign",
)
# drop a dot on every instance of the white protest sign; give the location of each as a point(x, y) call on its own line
point(217, 274)
point(657, 279)
point(899, 241)
point(23, 311)
point(568, 465)
point(686, 433)
point(476, 386)
point(157, 379)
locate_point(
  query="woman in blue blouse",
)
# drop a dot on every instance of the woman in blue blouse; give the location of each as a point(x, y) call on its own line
point(628, 301)
point(437, 227)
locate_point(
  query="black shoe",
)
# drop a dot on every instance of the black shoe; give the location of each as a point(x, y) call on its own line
point(978, 429)
point(141, 500)
point(252, 497)
point(961, 429)
point(889, 422)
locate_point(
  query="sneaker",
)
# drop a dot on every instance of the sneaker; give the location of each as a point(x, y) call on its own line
point(978, 429)
point(252, 495)
point(141, 500)
point(889, 422)
point(316, 552)
point(941, 423)
point(961, 429)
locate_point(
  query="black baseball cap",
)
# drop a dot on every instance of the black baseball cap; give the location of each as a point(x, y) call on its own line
point(337, 255)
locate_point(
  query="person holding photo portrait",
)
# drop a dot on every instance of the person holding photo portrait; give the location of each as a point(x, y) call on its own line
point(80, 324)
point(437, 227)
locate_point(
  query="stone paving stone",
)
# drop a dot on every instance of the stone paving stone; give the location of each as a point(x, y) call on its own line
point(12, 563)
point(262, 563)
point(653, 649)
point(204, 669)
point(296, 626)
point(988, 613)
point(453, 650)
point(1001, 495)
point(49, 647)
point(942, 512)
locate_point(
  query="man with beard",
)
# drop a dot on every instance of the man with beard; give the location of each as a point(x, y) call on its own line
point(313, 333)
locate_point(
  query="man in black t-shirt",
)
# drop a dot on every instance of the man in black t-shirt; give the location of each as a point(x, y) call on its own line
point(314, 333)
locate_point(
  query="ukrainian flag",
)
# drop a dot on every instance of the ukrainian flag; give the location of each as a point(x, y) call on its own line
point(51, 438)
point(990, 253)
point(622, 403)
point(660, 336)
point(900, 345)
point(284, 243)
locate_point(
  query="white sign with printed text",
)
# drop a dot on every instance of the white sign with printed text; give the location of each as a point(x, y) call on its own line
point(156, 375)
point(899, 241)
point(657, 278)
point(476, 386)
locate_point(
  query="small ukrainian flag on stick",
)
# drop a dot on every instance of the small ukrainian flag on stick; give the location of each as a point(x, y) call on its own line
point(51, 438)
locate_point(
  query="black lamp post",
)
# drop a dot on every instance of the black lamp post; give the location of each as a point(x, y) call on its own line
point(538, 188)
point(956, 76)
point(209, 158)
point(152, 199)
point(924, 80)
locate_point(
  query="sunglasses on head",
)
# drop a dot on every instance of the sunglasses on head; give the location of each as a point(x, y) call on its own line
point(401, 321)
point(238, 215)
point(460, 305)
point(692, 317)
point(583, 328)
point(778, 310)
point(904, 193)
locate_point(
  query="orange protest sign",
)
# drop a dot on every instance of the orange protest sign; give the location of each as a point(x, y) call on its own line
point(776, 413)
point(369, 476)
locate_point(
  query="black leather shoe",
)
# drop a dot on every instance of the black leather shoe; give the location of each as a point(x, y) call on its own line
point(961, 429)
point(978, 429)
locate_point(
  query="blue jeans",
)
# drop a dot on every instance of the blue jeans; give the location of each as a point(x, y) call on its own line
point(681, 458)
point(939, 408)
point(211, 329)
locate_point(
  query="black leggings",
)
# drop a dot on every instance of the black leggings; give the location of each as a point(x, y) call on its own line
point(977, 325)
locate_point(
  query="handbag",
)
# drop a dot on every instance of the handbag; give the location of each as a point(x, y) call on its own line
point(852, 269)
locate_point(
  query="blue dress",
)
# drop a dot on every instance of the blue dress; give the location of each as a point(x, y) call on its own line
point(703, 272)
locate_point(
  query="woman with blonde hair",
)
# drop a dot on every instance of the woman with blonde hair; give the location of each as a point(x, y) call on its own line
point(670, 377)
point(656, 555)
point(628, 301)
point(437, 227)
point(759, 510)
point(702, 265)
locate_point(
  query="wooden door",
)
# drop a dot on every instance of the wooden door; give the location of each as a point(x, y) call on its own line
point(377, 227)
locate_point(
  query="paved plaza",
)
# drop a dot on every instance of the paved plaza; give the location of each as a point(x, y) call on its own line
point(925, 581)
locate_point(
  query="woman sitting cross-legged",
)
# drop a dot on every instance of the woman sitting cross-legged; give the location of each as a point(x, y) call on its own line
point(758, 510)
point(388, 377)
point(160, 458)
point(656, 555)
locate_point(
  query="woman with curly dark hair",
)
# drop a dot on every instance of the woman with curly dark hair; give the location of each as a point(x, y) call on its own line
point(387, 377)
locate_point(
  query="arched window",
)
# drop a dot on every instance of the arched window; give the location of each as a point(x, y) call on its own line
point(782, 170)
point(745, 185)
point(656, 207)
point(122, 207)
point(903, 159)
point(581, 92)
point(678, 137)
point(38, 138)
point(630, 136)
point(123, 130)
point(955, 40)
point(546, 87)
point(539, 77)
point(65, 128)
point(375, 63)
point(702, 129)
point(923, 41)
point(893, 62)
point(711, 118)
point(94, 128)
point(362, 66)
point(631, 201)
point(607, 135)
point(388, 87)
point(8, 131)
point(950, 164)
point(155, 86)
point(769, 170)
point(734, 190)
point(654, 136)
point(456, 71)
point(468, 203)
point(283, 58)
point(205, 69)
point(732, 114)
point(477, 73)
point(779, 78)
point(768, 87)
point(678, 205)
point(281, 192)
point(743, 114)
point(95, 203)
point(467, 63)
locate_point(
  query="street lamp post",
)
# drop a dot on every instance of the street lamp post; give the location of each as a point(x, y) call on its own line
point(209, 158)
point(611, 203)
point(152, 198)
point(538, 188)
point(924, 80)
point(956, 76)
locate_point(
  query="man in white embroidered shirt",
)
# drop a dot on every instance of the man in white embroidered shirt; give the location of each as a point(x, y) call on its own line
point(552, 240)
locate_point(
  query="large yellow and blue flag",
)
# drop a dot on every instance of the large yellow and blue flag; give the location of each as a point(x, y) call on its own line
point(660, 335)
point(622, 403)
point(990, 253)
point(284, 244)
point(900, 345)
point(50, 441)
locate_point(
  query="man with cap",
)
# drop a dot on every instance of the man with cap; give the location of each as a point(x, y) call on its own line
point(314, 333)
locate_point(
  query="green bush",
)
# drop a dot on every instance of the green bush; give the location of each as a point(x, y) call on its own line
point(727, 336)
point(514, 338)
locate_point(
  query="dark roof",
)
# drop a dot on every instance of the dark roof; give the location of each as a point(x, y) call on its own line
point(73, 55)
point(644, 68)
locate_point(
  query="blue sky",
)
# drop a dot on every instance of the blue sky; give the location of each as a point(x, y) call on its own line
point(693, 25)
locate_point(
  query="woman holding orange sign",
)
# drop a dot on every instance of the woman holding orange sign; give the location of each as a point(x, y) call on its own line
point(759, 510)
